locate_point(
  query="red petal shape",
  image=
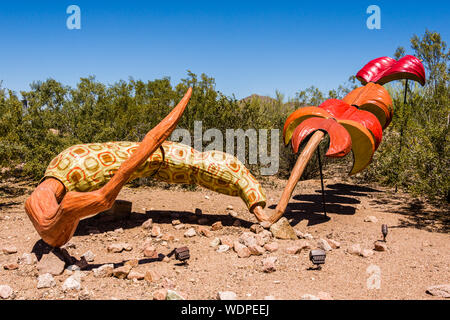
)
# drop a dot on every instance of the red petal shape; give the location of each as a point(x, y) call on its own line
point(385, 69)
point(343, 111)
point(340, 140)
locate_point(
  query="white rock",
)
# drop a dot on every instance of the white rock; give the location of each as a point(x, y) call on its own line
point(5, 291)
point(73, 282)
point(442, 290)
point(354, 249)
point(223, 248)
point(226, 295)
point(214, 242)
point(28, 259)
point(89, 256)
point(269, 298)
point(366, 253)
point(190, 233)
point(104, 271)
point(46, 280)
point(371, 219)
point(324, 245)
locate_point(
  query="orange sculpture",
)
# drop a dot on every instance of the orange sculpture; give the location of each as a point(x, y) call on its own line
point(85, 180)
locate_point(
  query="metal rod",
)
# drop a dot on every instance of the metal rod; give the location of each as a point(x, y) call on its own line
point(321, 182)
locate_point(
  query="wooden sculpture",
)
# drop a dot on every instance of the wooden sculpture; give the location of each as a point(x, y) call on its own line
point(85, 180)
point(353, 123)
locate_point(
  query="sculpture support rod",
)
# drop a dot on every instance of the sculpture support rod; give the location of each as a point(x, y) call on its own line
point(296, 173)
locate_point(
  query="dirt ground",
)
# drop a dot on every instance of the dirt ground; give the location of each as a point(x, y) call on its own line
point(417, 257)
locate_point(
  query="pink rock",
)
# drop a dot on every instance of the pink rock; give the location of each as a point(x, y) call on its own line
point(156, 231)
point(11, 266)
point(150, 252)
point(256, 250)
point(333, 243)
point(152, 276)
point(293, 250)
point(9, 249)
point(135, 275)
point(160, 294)
point(269, 264)
point(241, 250)
point(271, 247)
point(204, 231)
point(115, 247)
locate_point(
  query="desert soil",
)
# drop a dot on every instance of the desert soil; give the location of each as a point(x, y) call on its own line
point(418, 245)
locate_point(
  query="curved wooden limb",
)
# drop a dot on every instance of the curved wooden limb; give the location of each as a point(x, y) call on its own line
point(56, 222)
point(296, 174)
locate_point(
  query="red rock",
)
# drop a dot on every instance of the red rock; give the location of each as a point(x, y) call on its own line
point(10, 266)
point(216, 226)
point(9, 249)
point(204, 231)
point(150, 252)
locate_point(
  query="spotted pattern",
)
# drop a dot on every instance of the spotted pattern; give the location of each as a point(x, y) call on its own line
point(88, 167)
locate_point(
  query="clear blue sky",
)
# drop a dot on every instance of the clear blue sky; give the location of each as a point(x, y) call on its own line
point(247, 46)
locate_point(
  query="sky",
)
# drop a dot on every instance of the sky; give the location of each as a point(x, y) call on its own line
point(247, 46)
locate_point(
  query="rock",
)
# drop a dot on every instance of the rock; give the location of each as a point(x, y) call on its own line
point(9, 249)
point(216, 226)
point(256, 250)
point(5, 291)
point(309, 297)
point(148, 224)
point(204, 231)
point(132, 263)
point(380, 246)
point(173, 295)
point(72, 268)
point(135, 275)
point(333, 243)
point(85, 295)
point(127, 247)
point(214, 242)
point(226, 295)
point(283, 230)
point(11, 266)
point(89, 256)
point(73, 282)
point(324, 296)
point(156, 231)
point(256, 228)
point(308, 236)
point(354, 249)
point(271, 247)
point(229, 207)
point(366, 253)
point(265, 224)
point(179, 226)
point(371, 219)
point(121, 272)
point(241, 250)
point(46, 280)
point(207, 197)
point(152, 276)
point(237, 223)
point(115, 247)
point(299, 234)
point(51, 263)
point(442, 291)
point(223, 248)
point(118, 230)
point(28, 259)
point(150, 252)
point(160, 294)
point(227, 240)
point(233, 213)
point(269, 264)
point(190, 233)
point(261, 241)
point(176, 222)
point(304, 245)
point(323, 244)
point(293, 249)
point(104, 271)
point(248, 239)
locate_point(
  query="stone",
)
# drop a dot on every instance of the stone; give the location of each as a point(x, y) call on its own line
point(261, 241)
point(73, 282)
point(256, 250)
point(176, 222)
point(51, 263)
point(299, 234)
point(121, 272)
point(265, 224)
point(308, 236)
point(283, 230)
point(248, 239)
point(11, 266)
point(6, 291)
point(304, 244)
point(135, 275)
point(156, 231)
point(227, 240)
point(204, 231)
point(241, 250)
point(207, 197)
point(309, 297)
point(150, 252)
point(354, 249)
point(173, 295)
point(229, 207)
point(380, 246)
point(89, 256)
point(226, 295)
point(271, 247)
point(179, 226)
point(160, 294)
point(28, 259)
point(371, 219)
point(256, 228)
point(366, 253)
point(324, 245)
point(71, 269)
point(46, 280)
point(442, 291)
point(217, 226)
point(269, 264)
point(223, 248)
point(132, 263)
point(293, 249)
point(127, 247)
point(115, 247)
point(324, 296)
point(104, 271)
point(233, 213)
point(214, 242)
point(118, 230)
point(152, 276)
point(148, 224)
point(333, 243)
point(9, 249)
point(190, 233)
